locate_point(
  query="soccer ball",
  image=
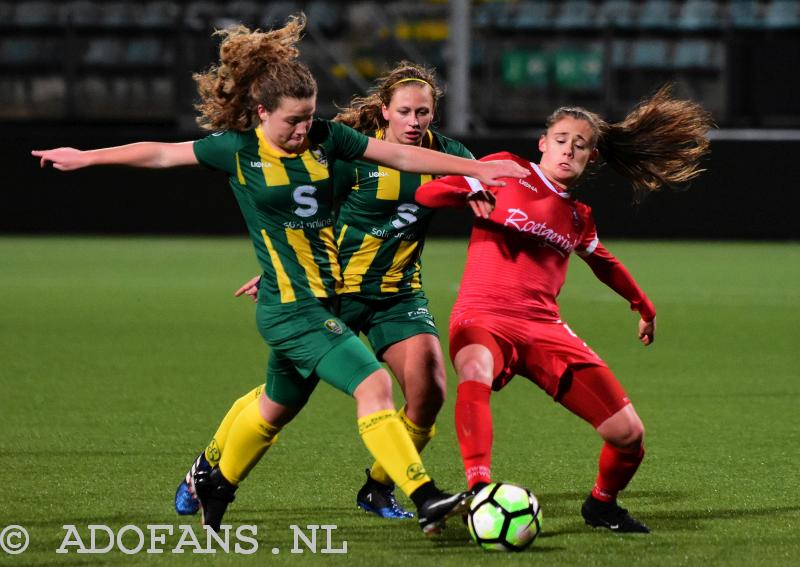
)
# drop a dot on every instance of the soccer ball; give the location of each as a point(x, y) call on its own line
point(504, 517)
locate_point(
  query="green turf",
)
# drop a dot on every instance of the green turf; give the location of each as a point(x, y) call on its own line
point(118, 356)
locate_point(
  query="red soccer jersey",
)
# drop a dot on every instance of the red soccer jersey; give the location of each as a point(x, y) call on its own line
point(517, 259)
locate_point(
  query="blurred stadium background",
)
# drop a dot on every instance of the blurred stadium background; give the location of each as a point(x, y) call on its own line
point(89, 73)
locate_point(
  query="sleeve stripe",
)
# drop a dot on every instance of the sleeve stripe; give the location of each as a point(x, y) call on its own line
point(474, 184)
point(591, 248)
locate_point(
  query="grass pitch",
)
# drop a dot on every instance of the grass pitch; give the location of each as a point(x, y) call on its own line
point(118, 357)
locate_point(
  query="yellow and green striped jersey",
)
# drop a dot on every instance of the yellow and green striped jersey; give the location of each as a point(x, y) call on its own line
point(286, 201)
point(380, 229)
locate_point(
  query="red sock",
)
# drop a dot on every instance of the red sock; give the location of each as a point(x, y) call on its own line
point(474, 430)
point(617, 467)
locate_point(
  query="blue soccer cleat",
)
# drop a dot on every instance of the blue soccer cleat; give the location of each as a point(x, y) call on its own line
point(378, 499)
point(186, 502)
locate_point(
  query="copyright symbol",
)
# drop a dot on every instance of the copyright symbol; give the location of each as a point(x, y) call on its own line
point(14, 540)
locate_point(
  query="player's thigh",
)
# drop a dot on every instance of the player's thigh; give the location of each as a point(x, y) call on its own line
point(347, 365)
point(396, 319)
point(285, 385)
point(302, 332)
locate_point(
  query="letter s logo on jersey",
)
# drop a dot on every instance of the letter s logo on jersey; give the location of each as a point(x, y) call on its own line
point(406, 215)
point(304, 197)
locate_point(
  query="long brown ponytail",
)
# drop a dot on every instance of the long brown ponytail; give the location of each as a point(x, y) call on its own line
point(660, 142)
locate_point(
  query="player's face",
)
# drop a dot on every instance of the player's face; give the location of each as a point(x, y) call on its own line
point(286, 128)
point(567, 148)
point(409, 114)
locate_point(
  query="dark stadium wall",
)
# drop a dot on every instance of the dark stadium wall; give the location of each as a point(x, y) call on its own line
point(750, 191)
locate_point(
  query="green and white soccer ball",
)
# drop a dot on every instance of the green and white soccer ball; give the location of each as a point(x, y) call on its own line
point(504, 517)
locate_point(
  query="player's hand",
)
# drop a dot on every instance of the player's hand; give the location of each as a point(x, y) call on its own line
point(250, 288)
point(482, 203)
point(490, 172)
point(64, 159)
point(647, 331)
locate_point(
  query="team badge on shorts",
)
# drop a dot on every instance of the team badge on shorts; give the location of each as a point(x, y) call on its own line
point(333, 326)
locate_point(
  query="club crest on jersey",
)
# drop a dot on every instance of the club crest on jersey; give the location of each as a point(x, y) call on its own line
point(320, 156)
point(333, 326)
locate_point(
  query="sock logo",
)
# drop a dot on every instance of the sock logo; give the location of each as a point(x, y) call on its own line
point(415, 471)
point(333, 326)
point(213, 450)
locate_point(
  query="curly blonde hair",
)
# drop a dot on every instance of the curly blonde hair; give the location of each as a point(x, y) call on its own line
point(255, 67)
point(660, 142)
point(364, 112)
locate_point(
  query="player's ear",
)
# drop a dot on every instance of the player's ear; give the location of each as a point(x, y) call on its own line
point(385, 112)
point(542, 142)
point(594, 155)
point(262, 112)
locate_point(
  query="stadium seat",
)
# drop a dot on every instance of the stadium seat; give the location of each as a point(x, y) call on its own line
point(650, 53)
point(696, 54)
point(526, 15)
point(575, 14)
point(326, 17)
point(745, 14)
point(80, 13)
point(103, 51)
point(276, 13)
point(158, 14)
point(30, 14)
point(616, 14)
point(119, 14)
point(148, 51)
point(699, 15)
point(579, 69)
point(656, 14)
point(20, 50)
point(201, 15)
point(782, 14)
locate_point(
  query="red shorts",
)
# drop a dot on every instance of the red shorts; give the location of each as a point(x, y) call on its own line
point(546, 353)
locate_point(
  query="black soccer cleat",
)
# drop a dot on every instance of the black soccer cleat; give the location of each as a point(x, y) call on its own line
point(214, 493)
point(434, 512)
point(610, 515)
point(186, 503)
point(379, 499)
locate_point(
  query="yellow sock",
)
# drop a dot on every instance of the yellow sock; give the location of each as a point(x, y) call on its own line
point(419, 437)
point(387, 439)
point(248, 439)
point(217, 443)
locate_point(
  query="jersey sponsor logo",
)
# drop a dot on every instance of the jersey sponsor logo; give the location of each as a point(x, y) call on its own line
point(528, 185)
point(333, 326)
point(378, 174)
point(260, 164)
point(561, 243)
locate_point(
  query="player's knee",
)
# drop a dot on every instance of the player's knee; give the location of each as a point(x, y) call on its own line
point(475, 369)
point(629, 435)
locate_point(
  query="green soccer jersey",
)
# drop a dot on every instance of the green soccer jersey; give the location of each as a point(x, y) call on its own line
point(380, 229)
point(286, 201)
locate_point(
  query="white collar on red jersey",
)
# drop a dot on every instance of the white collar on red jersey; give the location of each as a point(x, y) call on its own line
point(564, 194)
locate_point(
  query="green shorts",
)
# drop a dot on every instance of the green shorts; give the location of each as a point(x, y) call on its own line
point(309, 343)
point(387, 321)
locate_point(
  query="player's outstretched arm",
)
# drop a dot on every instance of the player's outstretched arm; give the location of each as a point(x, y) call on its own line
point(139, 154)
point(420, 160)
